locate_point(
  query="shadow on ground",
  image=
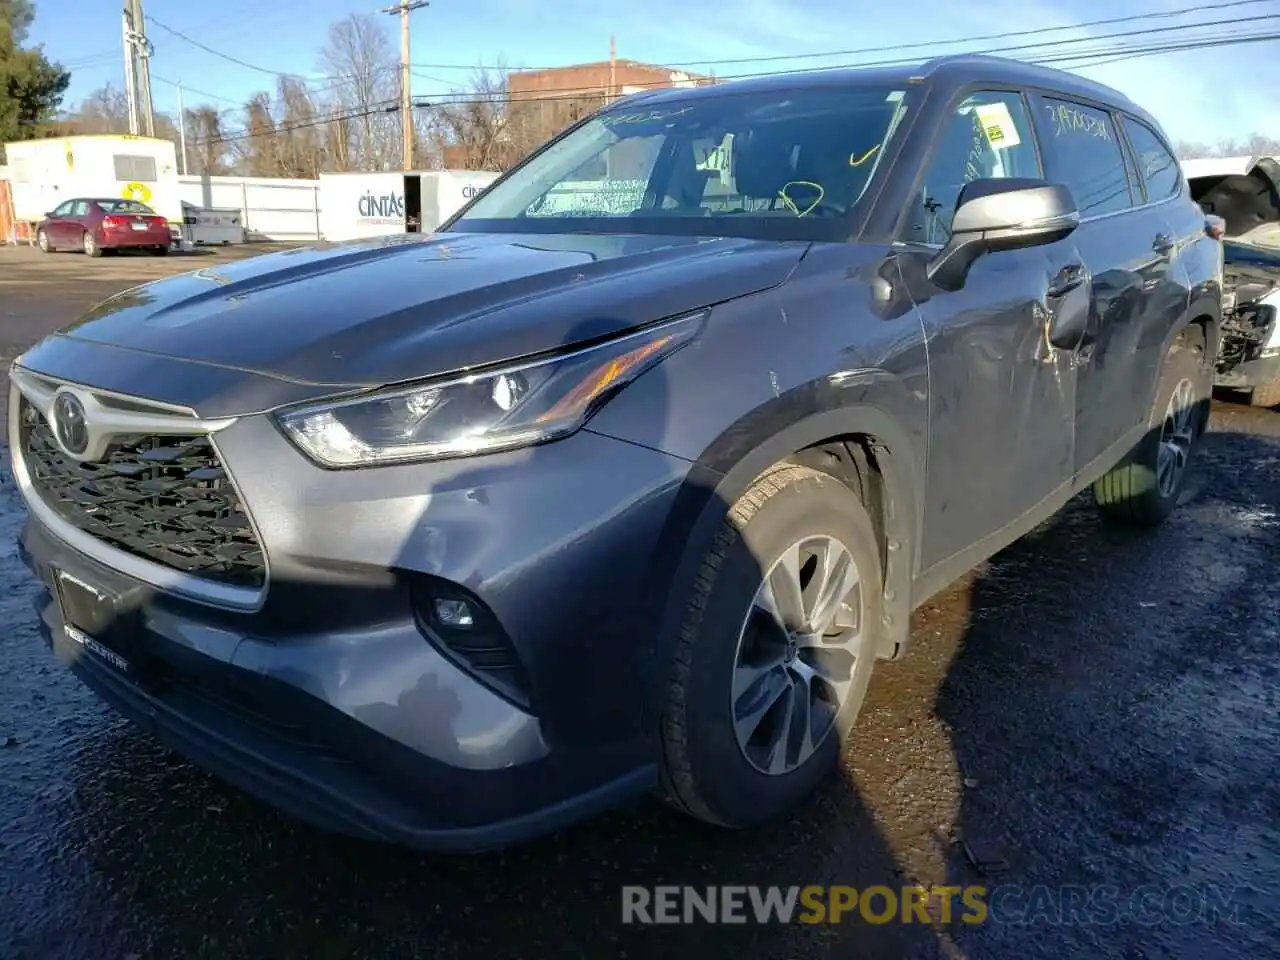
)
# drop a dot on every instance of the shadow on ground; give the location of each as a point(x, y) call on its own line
point(1092, 708)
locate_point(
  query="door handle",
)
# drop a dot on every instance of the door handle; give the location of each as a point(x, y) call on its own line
point(1163, 244)
point(1068, 278)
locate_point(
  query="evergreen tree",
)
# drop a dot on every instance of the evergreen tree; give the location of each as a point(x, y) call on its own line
point(31, 87)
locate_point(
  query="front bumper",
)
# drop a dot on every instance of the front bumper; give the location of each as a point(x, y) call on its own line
point(330, 701)
point(304, 779)
point(1249, 374)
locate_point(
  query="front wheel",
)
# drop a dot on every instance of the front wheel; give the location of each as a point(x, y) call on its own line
point(42, 241)
point(775, 653)
point(1143, 489)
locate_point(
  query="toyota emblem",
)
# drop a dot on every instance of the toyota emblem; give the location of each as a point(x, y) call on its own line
point(69, 424)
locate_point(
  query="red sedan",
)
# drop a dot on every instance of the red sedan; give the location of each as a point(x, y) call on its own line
point(94, 225)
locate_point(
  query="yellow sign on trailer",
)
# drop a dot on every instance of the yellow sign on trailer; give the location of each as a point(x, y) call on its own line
point(45, 173)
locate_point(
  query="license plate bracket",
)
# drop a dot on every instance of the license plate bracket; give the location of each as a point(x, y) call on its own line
point(97, 621)
point(138, 225)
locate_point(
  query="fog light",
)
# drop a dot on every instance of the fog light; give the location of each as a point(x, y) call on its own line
point(454, 613)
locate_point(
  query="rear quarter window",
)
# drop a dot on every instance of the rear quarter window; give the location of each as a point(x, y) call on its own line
point(1082, 150)
point(1156, 164)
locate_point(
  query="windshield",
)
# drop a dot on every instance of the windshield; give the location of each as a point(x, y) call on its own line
point(781, 164)
point(124, 206)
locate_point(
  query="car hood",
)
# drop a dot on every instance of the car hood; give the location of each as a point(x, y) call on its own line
point(399, 308)
point(1244, 192)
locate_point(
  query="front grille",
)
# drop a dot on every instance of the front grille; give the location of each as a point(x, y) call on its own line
point(166, 499)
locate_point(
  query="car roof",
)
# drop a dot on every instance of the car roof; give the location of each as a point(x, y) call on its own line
point(947, 71)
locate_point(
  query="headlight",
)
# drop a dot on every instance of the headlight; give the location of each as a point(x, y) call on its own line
point(512, 406)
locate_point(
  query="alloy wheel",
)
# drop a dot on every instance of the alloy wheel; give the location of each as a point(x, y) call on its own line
point(1177, 433)
point(796, 655)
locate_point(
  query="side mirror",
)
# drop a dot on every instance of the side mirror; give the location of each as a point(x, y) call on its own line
point(1007, 214)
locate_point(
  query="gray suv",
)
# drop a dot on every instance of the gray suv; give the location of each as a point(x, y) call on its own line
point(626, 478)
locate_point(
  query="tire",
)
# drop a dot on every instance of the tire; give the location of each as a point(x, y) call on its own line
point(1134, 492)
point(706, 771)
point(90, 245)
point(43, 242)
point(1265, 395)
point(162, 251)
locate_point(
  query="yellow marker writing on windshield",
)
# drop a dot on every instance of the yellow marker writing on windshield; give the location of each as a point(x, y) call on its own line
point(791, 204)
point(856, 161)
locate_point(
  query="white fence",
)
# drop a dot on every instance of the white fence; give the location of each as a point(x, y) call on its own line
point(270, 208)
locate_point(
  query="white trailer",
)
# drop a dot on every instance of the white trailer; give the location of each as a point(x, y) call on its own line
point(45, 173)
point(354, 206)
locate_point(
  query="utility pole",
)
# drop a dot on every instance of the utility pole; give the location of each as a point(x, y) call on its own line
point(130, 73)
point(613, 68)
point(138, 70)
point(182, 129)
point(404, 7)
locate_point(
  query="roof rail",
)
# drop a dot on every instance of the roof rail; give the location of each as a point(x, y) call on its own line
point(1016, 70)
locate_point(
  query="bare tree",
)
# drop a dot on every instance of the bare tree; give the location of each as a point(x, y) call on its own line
point(301, 146)
point(258, 152)
point(1255, 145)
point(207, 145)
point(106, 110)
point(485, 128)
point(359, 56)
point(1192, 150)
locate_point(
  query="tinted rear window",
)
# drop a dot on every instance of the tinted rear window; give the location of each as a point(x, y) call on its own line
point(1157, 165)
point(124, 206)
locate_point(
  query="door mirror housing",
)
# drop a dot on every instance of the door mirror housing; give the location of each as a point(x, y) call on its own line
point(1002, 214)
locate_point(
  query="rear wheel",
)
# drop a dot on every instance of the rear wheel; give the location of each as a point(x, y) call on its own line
point(42, 241)
point(1143, 489)
point(162, 251)
point(1265, 395)
point(775, 653)
point(89, 245)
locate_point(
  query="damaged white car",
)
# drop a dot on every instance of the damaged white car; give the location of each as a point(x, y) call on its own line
point(1245, 193)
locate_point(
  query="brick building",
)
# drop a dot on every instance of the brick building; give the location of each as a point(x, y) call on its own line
point(599, 81)
point(544, 102)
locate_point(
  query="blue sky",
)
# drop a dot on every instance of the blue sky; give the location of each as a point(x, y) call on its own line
point(1201, 95)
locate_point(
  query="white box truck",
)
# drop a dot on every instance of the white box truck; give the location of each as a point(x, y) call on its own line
point(354, 206)
point(45, 173)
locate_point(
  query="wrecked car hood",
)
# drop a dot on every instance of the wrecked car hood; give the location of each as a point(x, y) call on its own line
point(1244, 192)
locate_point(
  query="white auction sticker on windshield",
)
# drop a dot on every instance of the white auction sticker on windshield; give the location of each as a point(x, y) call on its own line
point(998, 125)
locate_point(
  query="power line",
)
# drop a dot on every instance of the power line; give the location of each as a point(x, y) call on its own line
point(203, 93)
point(387, 106)
point(1116, 52)
point(218, 53)
point(577, 92)
point(1172, 47)
point(922, 44)
point(919, 45)
point(1059, 55)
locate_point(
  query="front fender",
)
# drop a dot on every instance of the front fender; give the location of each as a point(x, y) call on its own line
point(822, 357)
point(728, 469)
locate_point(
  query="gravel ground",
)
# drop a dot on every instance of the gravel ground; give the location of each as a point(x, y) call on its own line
point(1091, 718)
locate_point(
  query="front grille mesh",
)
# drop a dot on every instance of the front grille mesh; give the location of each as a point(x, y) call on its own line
point(164, 498)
